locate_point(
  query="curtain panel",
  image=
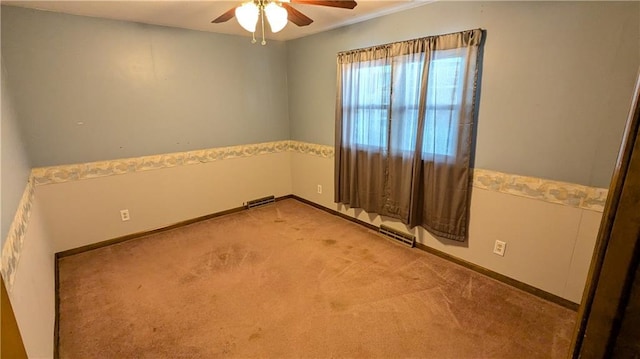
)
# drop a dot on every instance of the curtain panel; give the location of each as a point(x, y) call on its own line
point(405, 115)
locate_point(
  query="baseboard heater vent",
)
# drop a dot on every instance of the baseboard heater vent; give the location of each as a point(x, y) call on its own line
point(404, 238)
point(260, 202)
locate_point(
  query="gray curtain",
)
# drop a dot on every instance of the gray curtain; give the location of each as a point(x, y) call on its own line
point(404, 126)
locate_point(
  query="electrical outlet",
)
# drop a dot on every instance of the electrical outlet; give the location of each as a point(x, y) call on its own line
point(499, 247)
point(319, 188)
point(124, 215)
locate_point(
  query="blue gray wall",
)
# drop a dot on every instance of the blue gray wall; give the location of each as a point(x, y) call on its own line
point(556, 88)
point(14, 164)
point(138, 89)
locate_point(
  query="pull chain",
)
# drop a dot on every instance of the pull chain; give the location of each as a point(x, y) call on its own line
point(264, 42)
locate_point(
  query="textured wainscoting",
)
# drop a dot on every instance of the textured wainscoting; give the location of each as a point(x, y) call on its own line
point(158, 198)
point(551, 224)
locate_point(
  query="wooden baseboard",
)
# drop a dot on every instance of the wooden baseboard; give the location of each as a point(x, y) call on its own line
point(502, 278)
point(336, 213)
point(129, 237)
point(482, 270)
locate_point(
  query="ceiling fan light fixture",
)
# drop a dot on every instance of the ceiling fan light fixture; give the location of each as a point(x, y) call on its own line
point(247, 15)
point(276, 16)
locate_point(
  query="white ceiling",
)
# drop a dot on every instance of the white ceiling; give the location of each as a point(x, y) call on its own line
point(197, 15)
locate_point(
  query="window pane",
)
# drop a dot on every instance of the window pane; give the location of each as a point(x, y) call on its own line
point(442, 106)
point(366, 100)
point(404, 129)
point(444, 78)
point(440, 133)
point(407, 79)
point(370, 128)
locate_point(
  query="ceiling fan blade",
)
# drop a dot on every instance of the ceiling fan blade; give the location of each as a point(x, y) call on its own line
point(225, 17)
point(296, 16)
point(335, 3)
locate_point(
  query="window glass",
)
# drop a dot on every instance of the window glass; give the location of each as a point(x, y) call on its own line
point(388, 97)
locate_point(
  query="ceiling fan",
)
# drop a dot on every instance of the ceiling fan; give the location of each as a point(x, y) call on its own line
point(277, 12)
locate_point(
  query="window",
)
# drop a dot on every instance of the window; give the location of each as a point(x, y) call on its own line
point(404, 119)
point(391, 98)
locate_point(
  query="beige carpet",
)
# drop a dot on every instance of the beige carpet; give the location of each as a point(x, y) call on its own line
point(288, 280)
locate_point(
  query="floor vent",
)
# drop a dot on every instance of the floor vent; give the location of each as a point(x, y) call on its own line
point(260, 202)
point(404, 238)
